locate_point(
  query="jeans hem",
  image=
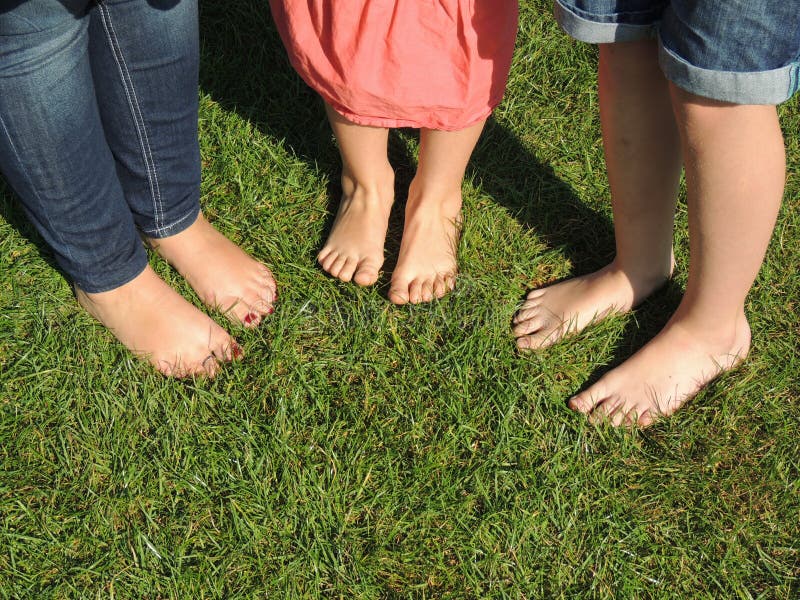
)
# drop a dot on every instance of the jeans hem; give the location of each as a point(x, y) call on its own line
point(175, 227)
point(132, 270)
point(770, 87)
point(597, 32)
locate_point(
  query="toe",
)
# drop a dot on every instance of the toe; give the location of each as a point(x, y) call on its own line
point(348, 269)
point(622, 415)
point(327, 262)
point(399, 292)
point(633, 416)
point(533, 335)
point(415, 292)
point(439, 287)
point(543, 338)
point(324, 255)
point(535, 294)
point(585, 401)
point(267, 275)
point(526, 314)
point(646, 417)
point(251, 319)
point(524, 342)
point(268, 285)
point(257, 311)
point(182, 370)
point(529, 326)
point(426, 291)
point(209, 367)
point(222, 349)
point(366, 274)
point(604, 410)
point(231, 352)
point(337, 265)
point(166, 368)
point(528, 304)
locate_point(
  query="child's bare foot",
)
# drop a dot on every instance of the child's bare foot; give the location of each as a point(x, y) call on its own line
point(153, 321)
point(664, 375)
point(354, 248)
point(223, 275)
point(550, 313)
point(426, 267)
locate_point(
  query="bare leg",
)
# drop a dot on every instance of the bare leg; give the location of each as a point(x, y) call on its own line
point(223, 275)
point(354, 248)
point(155, 322)
point(426, 267)
point(642, 151)
point(735, 171)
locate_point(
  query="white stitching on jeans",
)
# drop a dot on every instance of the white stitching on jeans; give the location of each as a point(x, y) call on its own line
point(138, 118)
point(168, 228)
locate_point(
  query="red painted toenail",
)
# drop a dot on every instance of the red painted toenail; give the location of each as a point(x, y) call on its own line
point(236, 349)
point(249, 318)
point(270, 310)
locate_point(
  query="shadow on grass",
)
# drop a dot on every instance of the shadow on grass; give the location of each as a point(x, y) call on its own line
point(244, 68)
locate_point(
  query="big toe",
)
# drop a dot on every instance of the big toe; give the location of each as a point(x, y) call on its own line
point(543, 338)
point(251, 307)
point(366, 273)
point(399, 292)
point(585, 401)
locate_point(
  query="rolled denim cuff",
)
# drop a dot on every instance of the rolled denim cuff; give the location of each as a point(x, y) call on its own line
point(740, 87)
point(599, 29)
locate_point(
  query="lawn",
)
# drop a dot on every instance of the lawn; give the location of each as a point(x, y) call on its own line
point(363, 450)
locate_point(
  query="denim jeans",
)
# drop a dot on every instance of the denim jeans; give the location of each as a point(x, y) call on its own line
point(741, 51)
point(98, 127)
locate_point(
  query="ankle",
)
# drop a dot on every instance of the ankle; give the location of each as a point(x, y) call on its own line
point(644, 277)
point(447, 199)
point(721, 328)
point(377, 183)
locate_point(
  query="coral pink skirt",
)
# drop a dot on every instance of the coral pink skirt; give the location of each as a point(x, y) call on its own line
point(438, 64)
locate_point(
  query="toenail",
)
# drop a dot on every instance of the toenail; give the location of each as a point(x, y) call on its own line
point(250, 317)
point(236, 349)
point(576, 404)
point(270, 310)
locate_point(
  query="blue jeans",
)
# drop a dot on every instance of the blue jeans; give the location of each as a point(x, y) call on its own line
point(98, 127)
point(741, 51)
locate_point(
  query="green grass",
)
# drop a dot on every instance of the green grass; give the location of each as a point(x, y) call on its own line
point(363, 450)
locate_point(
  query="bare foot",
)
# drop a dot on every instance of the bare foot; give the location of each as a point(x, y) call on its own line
point(153, 321)
point(426, 267)
point(550, 313)
point(664, 375)
point(354, 248)
point(224, 276)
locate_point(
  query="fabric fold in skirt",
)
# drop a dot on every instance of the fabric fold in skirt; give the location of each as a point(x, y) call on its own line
point(438, 64)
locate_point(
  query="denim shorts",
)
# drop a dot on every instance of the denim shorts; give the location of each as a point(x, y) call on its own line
point(740, 51)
